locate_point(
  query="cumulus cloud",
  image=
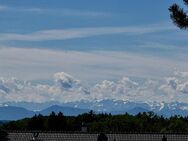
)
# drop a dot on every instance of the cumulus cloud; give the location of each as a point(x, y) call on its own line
point(11, 85)
point(121, 89)
point(66, 88)
point(177, 84)
point(64, 81)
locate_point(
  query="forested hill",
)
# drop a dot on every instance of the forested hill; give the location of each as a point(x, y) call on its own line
point(140, 123)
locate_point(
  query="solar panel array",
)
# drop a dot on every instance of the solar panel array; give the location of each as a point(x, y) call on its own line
point(52, 136)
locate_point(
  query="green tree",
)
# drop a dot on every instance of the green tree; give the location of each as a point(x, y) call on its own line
point(36, 123)
point(142, 122)
point(52, 123)
point(61, 122)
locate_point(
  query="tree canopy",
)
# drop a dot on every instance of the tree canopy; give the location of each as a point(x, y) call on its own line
point(179, 15)
point(102, 123)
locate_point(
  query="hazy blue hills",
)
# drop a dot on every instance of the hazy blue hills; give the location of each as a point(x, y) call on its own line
point(136, 110)
point(68, 111)
point(14, 111)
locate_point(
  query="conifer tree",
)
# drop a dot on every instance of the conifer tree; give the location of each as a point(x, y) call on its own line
point(179, 15)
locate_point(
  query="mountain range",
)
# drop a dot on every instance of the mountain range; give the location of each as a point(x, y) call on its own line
point(15, 111)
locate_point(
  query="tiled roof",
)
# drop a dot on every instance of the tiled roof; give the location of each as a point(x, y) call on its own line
point(55, 136)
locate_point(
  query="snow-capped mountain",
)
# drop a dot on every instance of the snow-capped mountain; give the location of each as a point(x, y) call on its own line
point(113, 106)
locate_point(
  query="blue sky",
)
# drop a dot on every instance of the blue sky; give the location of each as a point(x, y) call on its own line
point(91, 40)
point(28, 17)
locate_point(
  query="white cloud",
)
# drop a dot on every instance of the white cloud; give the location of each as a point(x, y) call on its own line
point(122, 75)
point(114, 90)
point(11, 85)
point(177, 84)
point(66, 89)
point(65, 81)
point(64, 34)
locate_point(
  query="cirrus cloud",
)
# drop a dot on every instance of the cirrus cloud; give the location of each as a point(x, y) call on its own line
point(74, 33)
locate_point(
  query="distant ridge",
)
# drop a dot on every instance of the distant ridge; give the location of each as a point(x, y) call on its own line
point(68, 111)
point(14, 111)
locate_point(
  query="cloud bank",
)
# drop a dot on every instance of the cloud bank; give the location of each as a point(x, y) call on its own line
point(111, 75)
point(66, 88)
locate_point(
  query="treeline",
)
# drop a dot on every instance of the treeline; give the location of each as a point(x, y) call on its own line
point(140, 123)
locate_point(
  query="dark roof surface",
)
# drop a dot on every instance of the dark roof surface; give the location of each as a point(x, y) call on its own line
point(52, 136)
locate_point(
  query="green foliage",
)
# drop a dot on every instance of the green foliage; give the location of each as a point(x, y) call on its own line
point(36, 123)
point(140, 123)
point(56, 122)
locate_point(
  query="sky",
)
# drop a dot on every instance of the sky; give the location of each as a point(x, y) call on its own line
point(67, 50)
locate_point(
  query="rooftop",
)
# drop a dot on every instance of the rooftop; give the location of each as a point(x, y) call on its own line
point(59, 136)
